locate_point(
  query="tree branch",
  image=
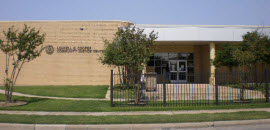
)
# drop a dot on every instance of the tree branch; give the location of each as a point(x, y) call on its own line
point(18, 72)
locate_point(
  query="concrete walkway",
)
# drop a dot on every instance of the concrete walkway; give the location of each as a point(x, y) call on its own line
point(196, 125)
point(164, 126)
point(28, 95)
point(129, 113)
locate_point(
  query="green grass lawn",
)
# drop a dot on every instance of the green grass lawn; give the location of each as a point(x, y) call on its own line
point(64, 91)
point(38, 104)
point(133, 119)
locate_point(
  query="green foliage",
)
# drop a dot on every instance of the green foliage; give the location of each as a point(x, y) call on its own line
point(19, 47)
point(25, 44)
point(254, 49)
point(130, 47)
point(123, 86)
point(224, 57)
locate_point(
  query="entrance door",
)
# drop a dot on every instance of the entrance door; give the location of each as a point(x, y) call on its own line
point(178, 71)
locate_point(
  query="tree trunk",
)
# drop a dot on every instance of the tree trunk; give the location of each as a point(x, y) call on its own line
point(127, 76)
point(138, 86)
point(119, 71)
point(137, 101)
point(8, 97)
point(255, 76)
point(243, 85)
point(231, 73)
point(124, 75)
point(242, 93)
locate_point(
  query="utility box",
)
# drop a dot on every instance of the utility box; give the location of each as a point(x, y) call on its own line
point(151, 81)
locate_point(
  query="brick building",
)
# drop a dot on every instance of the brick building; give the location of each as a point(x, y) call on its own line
point(75, 46)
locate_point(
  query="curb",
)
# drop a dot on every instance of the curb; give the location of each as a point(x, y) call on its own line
point(12, 126)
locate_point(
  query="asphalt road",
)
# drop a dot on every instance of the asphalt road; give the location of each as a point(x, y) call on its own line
point(238, 127)
point(260, 124)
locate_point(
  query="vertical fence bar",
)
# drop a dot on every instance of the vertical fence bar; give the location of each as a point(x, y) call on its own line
point(216, 85)
point(266, 86)
point(164, 88)
point(111, 88)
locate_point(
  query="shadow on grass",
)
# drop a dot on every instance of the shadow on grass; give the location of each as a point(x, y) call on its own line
point(29, 100)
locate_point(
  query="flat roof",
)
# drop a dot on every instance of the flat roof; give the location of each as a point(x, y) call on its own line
point(71, 21)
point(198, 33)
point(206, 26)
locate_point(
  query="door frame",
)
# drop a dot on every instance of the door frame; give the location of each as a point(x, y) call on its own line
point(178, 71)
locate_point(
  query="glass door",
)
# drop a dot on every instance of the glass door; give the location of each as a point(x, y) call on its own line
point(178, 71)
point(173, 71)
point(182, 71)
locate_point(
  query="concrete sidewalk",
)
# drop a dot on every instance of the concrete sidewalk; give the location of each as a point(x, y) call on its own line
point(215, 124)
point(129, 113)
point(65, 98)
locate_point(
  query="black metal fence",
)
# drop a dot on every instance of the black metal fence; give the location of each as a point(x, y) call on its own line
point(219, 88)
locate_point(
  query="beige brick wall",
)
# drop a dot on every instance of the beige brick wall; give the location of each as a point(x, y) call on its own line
point(174, 48)
point(205, 58)
point(204, 63)
point(66, 68)
point(197, 62)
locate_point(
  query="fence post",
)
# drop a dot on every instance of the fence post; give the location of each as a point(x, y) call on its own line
point(111, 88)
point(216, 85)
point(164, 88)
point(266, 85)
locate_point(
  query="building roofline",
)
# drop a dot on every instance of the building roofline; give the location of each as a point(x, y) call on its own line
point(67, 21)
point(145, 25)
point(207, 26)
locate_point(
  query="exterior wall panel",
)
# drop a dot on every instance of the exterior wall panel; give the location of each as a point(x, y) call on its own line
point(66, 68)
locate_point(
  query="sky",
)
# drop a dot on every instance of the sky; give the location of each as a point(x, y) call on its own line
point(180, 12)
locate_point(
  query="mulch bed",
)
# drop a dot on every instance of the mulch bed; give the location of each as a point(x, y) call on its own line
point(16, 103)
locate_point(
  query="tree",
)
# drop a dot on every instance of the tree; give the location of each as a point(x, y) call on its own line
point(253, 50)
point(224, 57)
point(19, 48)
point(131, 49)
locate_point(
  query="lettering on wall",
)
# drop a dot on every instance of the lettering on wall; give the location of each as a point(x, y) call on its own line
point(71, 49)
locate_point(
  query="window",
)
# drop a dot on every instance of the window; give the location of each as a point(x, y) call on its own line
point(160, 61)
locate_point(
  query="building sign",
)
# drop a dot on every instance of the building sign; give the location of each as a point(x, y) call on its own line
point(49, 49)
point(71, 49)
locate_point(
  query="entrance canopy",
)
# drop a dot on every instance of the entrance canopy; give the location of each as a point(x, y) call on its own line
point(202, 32)
point(176, 42)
